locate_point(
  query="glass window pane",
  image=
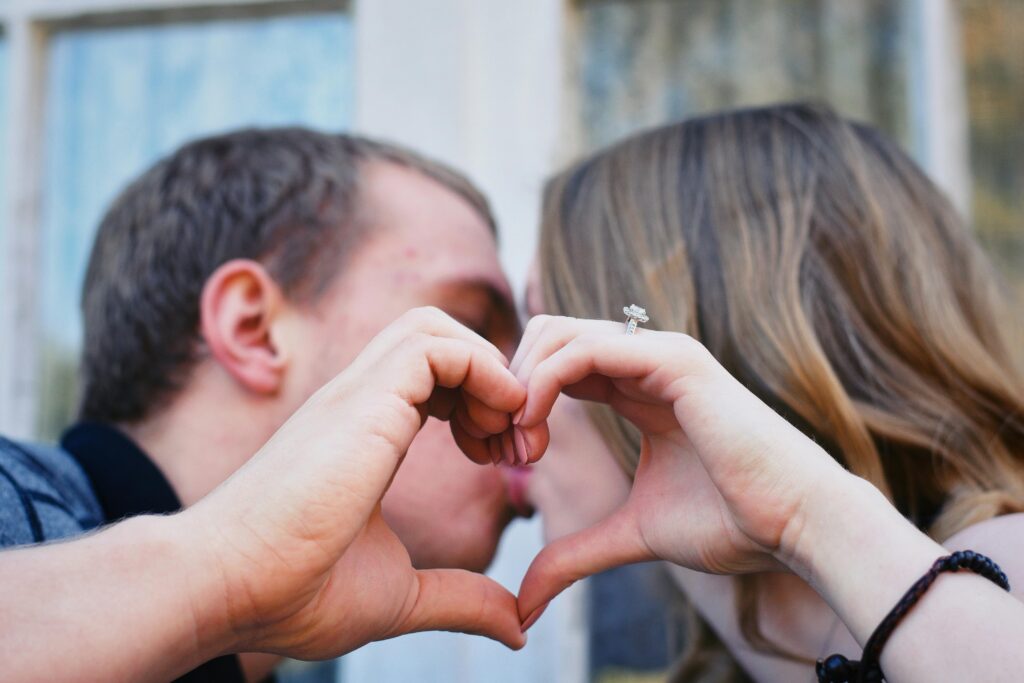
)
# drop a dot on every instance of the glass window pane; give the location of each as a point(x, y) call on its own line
point(993, 42)
point(645, 62)
point(119, 98)
point(639, 63)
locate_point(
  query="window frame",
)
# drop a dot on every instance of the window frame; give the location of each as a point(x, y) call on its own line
point(27, 27)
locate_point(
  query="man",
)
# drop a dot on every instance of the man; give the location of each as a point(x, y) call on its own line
point(226, 285)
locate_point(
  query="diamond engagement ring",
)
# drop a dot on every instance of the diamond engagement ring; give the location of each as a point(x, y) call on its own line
point(634, 316)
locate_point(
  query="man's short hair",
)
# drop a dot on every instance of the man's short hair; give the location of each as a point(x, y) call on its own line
point(288, 198)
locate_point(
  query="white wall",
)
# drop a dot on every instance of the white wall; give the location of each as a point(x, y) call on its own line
point(476, 83)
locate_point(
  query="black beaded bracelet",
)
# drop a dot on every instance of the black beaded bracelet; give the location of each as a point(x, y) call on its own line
point(838, 669)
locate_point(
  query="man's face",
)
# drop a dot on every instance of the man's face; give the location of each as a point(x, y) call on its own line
point(427, 247)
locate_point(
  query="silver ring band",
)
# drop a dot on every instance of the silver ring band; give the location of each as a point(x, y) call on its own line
point(634, 316)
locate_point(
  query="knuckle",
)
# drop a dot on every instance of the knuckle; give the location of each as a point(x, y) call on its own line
point(542, 374)
point(417, 343)
point(586, 342)
point(538, 322)
point(692, 345)
point(423, 316)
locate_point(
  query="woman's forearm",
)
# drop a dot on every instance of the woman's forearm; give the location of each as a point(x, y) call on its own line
point(861, 555)
point(132, 602)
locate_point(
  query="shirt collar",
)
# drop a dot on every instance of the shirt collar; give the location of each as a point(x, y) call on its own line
point(125, 480)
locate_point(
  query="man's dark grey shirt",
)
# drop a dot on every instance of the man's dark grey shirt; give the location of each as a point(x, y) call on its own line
point(44, 495)
point(96, 476)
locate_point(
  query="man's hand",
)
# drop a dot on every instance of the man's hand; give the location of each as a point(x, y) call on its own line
point(310, 569)
point(291, 554)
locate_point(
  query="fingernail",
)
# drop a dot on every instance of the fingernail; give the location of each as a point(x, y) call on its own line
point(518, 415)
point(492, 446)
point(508, 448)
point(534, 616)
point(522, 448)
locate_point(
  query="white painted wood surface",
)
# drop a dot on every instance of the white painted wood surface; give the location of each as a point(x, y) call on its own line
point(19, 248)
point(938, 99)
point(477, 83)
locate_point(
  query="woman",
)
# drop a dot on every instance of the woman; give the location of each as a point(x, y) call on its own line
point(807, 269)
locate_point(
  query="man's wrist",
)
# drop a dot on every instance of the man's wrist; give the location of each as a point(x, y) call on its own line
point(200, 580)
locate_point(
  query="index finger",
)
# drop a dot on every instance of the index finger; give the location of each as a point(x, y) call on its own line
point(425, 320)
point(613, 542)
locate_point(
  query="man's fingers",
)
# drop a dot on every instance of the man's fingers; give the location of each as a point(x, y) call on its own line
point(465, 602)
point(443, 403)
point(481, 416)
point(429, 321)
point(434, 321)
point(459, 364)
point(457, 381)
point(475, 448)
point(611, 543)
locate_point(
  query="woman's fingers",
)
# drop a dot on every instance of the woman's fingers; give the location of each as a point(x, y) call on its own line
point(651, 367)
point(535, 439)
point(520, 445)
point(534, 329)
point(611, 543)
point(575, 362)
point(547, 334)
point(466, 602)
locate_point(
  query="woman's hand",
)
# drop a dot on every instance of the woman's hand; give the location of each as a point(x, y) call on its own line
point(310, 569)
point(722, 482)
point(726, 485)
point(578, 482)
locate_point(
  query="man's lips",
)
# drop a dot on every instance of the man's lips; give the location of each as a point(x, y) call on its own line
point(517, 481)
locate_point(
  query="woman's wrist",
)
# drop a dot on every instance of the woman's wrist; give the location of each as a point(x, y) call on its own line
point(830, 520)
point(856, 550)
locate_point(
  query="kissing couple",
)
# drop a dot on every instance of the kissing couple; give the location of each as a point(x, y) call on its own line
point(762, 348)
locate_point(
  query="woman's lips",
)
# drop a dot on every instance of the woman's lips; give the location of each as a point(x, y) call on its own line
point(517, 480)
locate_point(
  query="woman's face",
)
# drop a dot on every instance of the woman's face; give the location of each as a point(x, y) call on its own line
point(578, 482)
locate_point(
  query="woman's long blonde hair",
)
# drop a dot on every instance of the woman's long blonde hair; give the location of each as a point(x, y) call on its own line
point(828, 274)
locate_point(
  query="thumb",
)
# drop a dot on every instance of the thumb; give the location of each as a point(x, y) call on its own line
point(466, 602)
point(613, 542)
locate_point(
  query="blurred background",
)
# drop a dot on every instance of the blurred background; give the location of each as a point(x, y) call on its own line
point(93, 91)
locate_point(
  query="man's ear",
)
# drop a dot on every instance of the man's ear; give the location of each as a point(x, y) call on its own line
point(238, 307)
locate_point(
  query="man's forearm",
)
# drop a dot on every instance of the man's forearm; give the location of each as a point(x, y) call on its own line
point(135, 602)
